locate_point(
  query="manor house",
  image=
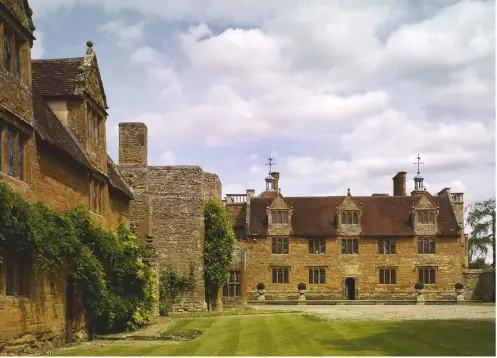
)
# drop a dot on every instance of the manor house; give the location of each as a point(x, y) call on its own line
point(347, 247)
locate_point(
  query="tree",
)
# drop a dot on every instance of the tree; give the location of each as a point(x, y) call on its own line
point(481, 218)
point(218, 248)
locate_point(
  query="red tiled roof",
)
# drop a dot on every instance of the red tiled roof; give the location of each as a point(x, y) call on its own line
point(381, 216)
point(55, 77)
point(115, 179)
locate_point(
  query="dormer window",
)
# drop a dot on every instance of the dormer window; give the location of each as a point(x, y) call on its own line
point(94, 124)
point(279, 217)
point(426, 217)
point(350, 218)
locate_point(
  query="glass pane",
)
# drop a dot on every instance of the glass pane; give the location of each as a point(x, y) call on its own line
point(10, 152)
point(355, 218)
point(430, 217)
point(420, 275)
point(392, 246)
point(20, 161)
point(355, 243)
point(285, 271)
point(275, 276)
point(285, 246)
point(387, 276)
point(426, 248)
point(382, 277)
point(393, 277)
point(344, 218)
point(349, 218)
point(420, 246)
point(322, 248)
point(426, 277)
point(425, 218)
point(280, 217)
point(285, 218)
point(273, 249)
point(420, 218)
point(310, 276)
point(280, 246)
point(432, 246)
point(322, 277)
point(432, 276)
point(380, 247)
point(237, 290)
point(311, 246)
point(349, 246)
point(273, 218)
point(232, 290)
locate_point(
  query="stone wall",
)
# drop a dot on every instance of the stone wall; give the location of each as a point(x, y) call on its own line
point(364, 267)
point(133, 143)
point(479, 285)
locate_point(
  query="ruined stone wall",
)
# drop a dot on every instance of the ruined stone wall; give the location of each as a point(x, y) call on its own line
point(212, 187)
point(364, 267)
point(478, 285)
point(133, 143)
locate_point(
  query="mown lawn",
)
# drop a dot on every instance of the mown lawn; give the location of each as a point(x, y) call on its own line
point(299, 335)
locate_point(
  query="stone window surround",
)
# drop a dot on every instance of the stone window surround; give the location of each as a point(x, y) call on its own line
point(18, 150)
point(96, 198)
point(391, 272)
point(94, 133)
point(16, 283)
point(275, 246)
point(317, 275)
point(280, 274)
point(15, 46)
point(387, 246)
point(351, 216)
point(427, 246)
point(317, 246)
point(279, 217)
point(233, 287)
point(350, 249)
point(431, 271)
point(426, 217)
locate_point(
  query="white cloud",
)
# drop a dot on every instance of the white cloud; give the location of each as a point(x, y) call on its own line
point(38, 49)
point(146, 55)
point(127, 35)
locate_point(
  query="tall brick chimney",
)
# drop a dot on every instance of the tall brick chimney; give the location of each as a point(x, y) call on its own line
point(399, 184)
point(132, 143)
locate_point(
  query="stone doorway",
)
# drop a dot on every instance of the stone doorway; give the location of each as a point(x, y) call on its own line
point(350, 288)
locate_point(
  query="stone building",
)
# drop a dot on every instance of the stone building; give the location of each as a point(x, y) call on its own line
point(52, 149)
point(168, 210)
point(347, 247)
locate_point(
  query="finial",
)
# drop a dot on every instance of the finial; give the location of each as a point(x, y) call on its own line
point(270, 163)
point(418, 162)
point(279, 191)
point(348, 191)
point(89, 43)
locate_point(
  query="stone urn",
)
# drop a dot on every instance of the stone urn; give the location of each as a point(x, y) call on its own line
point(459, 292)
point(420, 299)
point(260, 291)
point(301, 292)
point(420, 291)
point(301, 287)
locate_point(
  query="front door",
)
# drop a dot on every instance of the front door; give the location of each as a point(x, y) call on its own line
point(350, 288)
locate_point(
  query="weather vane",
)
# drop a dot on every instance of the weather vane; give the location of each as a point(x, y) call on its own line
point(270, 163)
point(418, 162)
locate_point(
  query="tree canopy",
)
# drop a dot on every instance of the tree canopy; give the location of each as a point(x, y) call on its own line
point(481, 218)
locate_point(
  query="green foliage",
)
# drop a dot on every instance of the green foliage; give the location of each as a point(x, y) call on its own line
point(301, 286)
point(419, 285)
point(261, 286)
point(478, 263)
point(117, 287)
point(219, 247)
point(170, 285)
point(459, 286)
point(481, 219)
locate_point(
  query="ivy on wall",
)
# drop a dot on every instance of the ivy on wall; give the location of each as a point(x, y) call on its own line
point(117, 287)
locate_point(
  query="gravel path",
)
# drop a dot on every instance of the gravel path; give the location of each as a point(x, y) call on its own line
point(393, 312)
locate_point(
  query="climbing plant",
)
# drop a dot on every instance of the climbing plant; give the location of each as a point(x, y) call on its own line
point(218, 248)
point(170, 285)
point(117, 287)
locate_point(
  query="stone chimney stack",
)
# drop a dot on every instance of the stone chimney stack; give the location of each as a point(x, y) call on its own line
point(276, 177)
point(132, 143)
point(250, 194)
point(399, 184)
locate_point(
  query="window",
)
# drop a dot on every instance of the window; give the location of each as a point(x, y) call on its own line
point(350, 246)
point(317, 276)
point(94, 121)
point(18, 59)
point(232, 288)
point(426, 217)
point(426, 275)
point(386, 246)
point(279, 217)
point(280, 275)
point(7, 51)
point(350, 218)
point(280, 246)
point(90, 121)
point(426, 246)
point(20, 157)
point(10, 152)
point(96, 202)
point(388, 277)
point(317, 246)
point(95, 127)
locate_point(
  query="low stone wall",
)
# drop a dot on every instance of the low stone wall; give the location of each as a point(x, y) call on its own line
point(479, 285)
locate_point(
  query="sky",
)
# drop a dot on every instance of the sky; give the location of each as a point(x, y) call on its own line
point(343, 94)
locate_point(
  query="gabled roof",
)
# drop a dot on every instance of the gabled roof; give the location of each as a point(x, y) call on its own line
point(52, 131)
point(56, 77)
point(381, 216)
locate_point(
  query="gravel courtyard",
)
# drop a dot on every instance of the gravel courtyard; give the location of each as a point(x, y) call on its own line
point(393, 312)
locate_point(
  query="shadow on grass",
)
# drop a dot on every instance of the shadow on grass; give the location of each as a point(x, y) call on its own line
point(416, 338)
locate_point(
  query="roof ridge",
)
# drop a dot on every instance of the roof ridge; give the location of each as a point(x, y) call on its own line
point(56, 59)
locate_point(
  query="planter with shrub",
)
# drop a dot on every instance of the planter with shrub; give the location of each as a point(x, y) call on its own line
point(459, 291)
point(260, 291)
point(419, 287)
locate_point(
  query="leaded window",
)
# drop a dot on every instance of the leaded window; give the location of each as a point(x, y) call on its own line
point(317, 276)
point(317, 246)
point(386, 246)
point(425, 217)
point(10, 152)
point(388, 276)
point(426, 246)
point(232, 288)
point(350, 218)
point(279, 246)
point(280, 275)
point(20, 157)
point(350, 246)
point(426, 275)
point(279, 217)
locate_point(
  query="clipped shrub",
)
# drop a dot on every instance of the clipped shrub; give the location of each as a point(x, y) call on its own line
point(459, 286)
point(301, 286)
point(260, 286)
point(419, 286)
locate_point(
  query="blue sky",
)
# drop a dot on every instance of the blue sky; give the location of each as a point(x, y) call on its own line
point(343, 93)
